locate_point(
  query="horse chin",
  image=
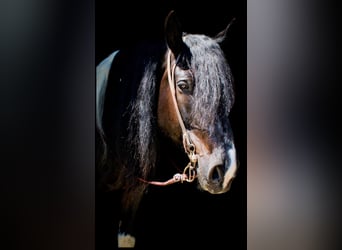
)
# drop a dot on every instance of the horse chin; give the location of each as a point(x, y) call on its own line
point(214, 189)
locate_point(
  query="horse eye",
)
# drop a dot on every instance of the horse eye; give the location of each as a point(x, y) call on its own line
point(183, 85)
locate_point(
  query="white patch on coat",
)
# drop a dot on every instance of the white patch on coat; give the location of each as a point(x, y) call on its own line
point(126, 240)
point(102, 72)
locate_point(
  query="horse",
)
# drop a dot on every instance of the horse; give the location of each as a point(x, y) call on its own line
point(157, 103)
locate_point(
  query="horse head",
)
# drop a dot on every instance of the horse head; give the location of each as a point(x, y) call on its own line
point(195, 99)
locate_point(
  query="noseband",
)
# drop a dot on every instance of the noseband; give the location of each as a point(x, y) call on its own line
point(189, 172)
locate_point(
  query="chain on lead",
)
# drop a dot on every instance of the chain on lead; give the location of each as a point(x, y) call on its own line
point(190, 169)
point(190, 173)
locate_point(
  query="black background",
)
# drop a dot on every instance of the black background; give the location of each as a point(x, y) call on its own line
point(47, 110)
point(165, 218)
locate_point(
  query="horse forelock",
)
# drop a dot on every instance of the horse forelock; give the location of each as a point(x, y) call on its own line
point(213, 95)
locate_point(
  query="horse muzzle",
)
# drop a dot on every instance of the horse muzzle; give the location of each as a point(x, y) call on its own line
point(216, 170)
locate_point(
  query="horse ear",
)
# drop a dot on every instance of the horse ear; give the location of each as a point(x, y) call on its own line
point(173, 33)
point(221, 36)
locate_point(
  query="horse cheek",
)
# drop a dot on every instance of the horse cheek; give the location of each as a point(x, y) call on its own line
point(167, 118)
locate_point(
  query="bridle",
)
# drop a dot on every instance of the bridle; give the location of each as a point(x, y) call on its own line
point(189, 172)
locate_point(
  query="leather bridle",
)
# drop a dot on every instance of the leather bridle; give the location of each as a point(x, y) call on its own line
point(189, 172)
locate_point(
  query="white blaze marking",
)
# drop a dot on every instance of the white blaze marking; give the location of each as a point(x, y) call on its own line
point(232, 167)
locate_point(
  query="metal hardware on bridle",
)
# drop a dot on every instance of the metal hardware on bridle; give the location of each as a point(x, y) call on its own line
point(189, 172)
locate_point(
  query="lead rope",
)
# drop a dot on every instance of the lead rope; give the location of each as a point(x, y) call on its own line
point(189, 172)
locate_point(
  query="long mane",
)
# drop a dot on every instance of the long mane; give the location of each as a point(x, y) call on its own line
point(130, 111)
point(143, 121)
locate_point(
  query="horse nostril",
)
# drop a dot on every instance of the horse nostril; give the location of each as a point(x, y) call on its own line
point(216, 173)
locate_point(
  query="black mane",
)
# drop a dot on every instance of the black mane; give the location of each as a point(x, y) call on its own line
point(129, 120)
